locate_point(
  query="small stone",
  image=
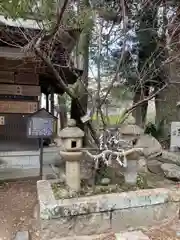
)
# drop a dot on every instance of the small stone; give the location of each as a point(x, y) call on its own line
point(105, 181)
point(154, 166)
point(22, 236)
point(171, 171)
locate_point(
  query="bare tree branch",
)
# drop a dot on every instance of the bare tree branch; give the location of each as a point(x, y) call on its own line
point(64, 86)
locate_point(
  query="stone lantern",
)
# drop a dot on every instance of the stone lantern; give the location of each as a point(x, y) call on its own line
point(71, 139)
point(130, 133)
point(131, 171)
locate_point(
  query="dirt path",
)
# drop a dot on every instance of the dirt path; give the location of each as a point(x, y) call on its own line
point(17, 201)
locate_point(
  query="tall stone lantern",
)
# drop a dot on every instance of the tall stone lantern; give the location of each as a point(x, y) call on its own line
point(72, 138)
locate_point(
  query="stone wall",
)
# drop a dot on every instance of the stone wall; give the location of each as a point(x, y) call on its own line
point(97, 214)
point(25, 163)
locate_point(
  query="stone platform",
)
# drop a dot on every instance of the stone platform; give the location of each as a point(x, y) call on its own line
point(97, 214)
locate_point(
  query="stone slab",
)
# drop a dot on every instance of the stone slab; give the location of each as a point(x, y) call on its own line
point(169, 157)
point(135, 235)
point(22, 236)
point(78, 238)
point(171, 171)
point(91, 237)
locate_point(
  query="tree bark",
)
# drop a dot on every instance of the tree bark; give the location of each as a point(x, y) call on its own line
point(165, 103)
point(166, 110)
point(141, 111)
point(62, 111)
point(83, 61)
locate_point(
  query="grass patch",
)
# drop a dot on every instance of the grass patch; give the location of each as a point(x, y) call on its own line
point(111, 120)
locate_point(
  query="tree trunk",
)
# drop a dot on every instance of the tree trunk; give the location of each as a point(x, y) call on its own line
point(166, 101)
point(75, 113)
point(141, 111)
point(83, 61)
point(62, 111)
point(166, 110)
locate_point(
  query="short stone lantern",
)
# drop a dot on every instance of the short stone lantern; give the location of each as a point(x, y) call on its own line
point(72, 138)
point(132, 132)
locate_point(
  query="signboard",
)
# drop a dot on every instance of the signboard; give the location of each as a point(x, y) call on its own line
point(27, 78)
point(41, 124)
point(175, 135)
point(18, 107)
point(23, 90)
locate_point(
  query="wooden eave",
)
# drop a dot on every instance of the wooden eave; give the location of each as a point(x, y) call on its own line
point(14, 59)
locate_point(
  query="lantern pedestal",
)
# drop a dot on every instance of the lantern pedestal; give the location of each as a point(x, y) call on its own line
point(72, 160)
point(131, 172)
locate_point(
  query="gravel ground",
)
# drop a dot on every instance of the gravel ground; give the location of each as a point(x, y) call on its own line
point(17, 201)
point(167, 231)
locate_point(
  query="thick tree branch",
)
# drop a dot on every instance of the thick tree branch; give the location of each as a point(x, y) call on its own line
point(59, 16)
point(125, 22)
point(129, 110)
point(64, 86)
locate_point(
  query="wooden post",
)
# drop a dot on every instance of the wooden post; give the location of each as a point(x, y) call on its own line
point(52, 101)
point(47, 102)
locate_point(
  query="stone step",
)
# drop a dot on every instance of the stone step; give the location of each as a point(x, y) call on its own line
point(22, 236)
point(108, 236)
point(95, 237)
point(134, 235)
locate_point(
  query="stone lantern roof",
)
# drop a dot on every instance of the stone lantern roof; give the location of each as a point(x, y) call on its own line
point(71, 131)
point(131, 129)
